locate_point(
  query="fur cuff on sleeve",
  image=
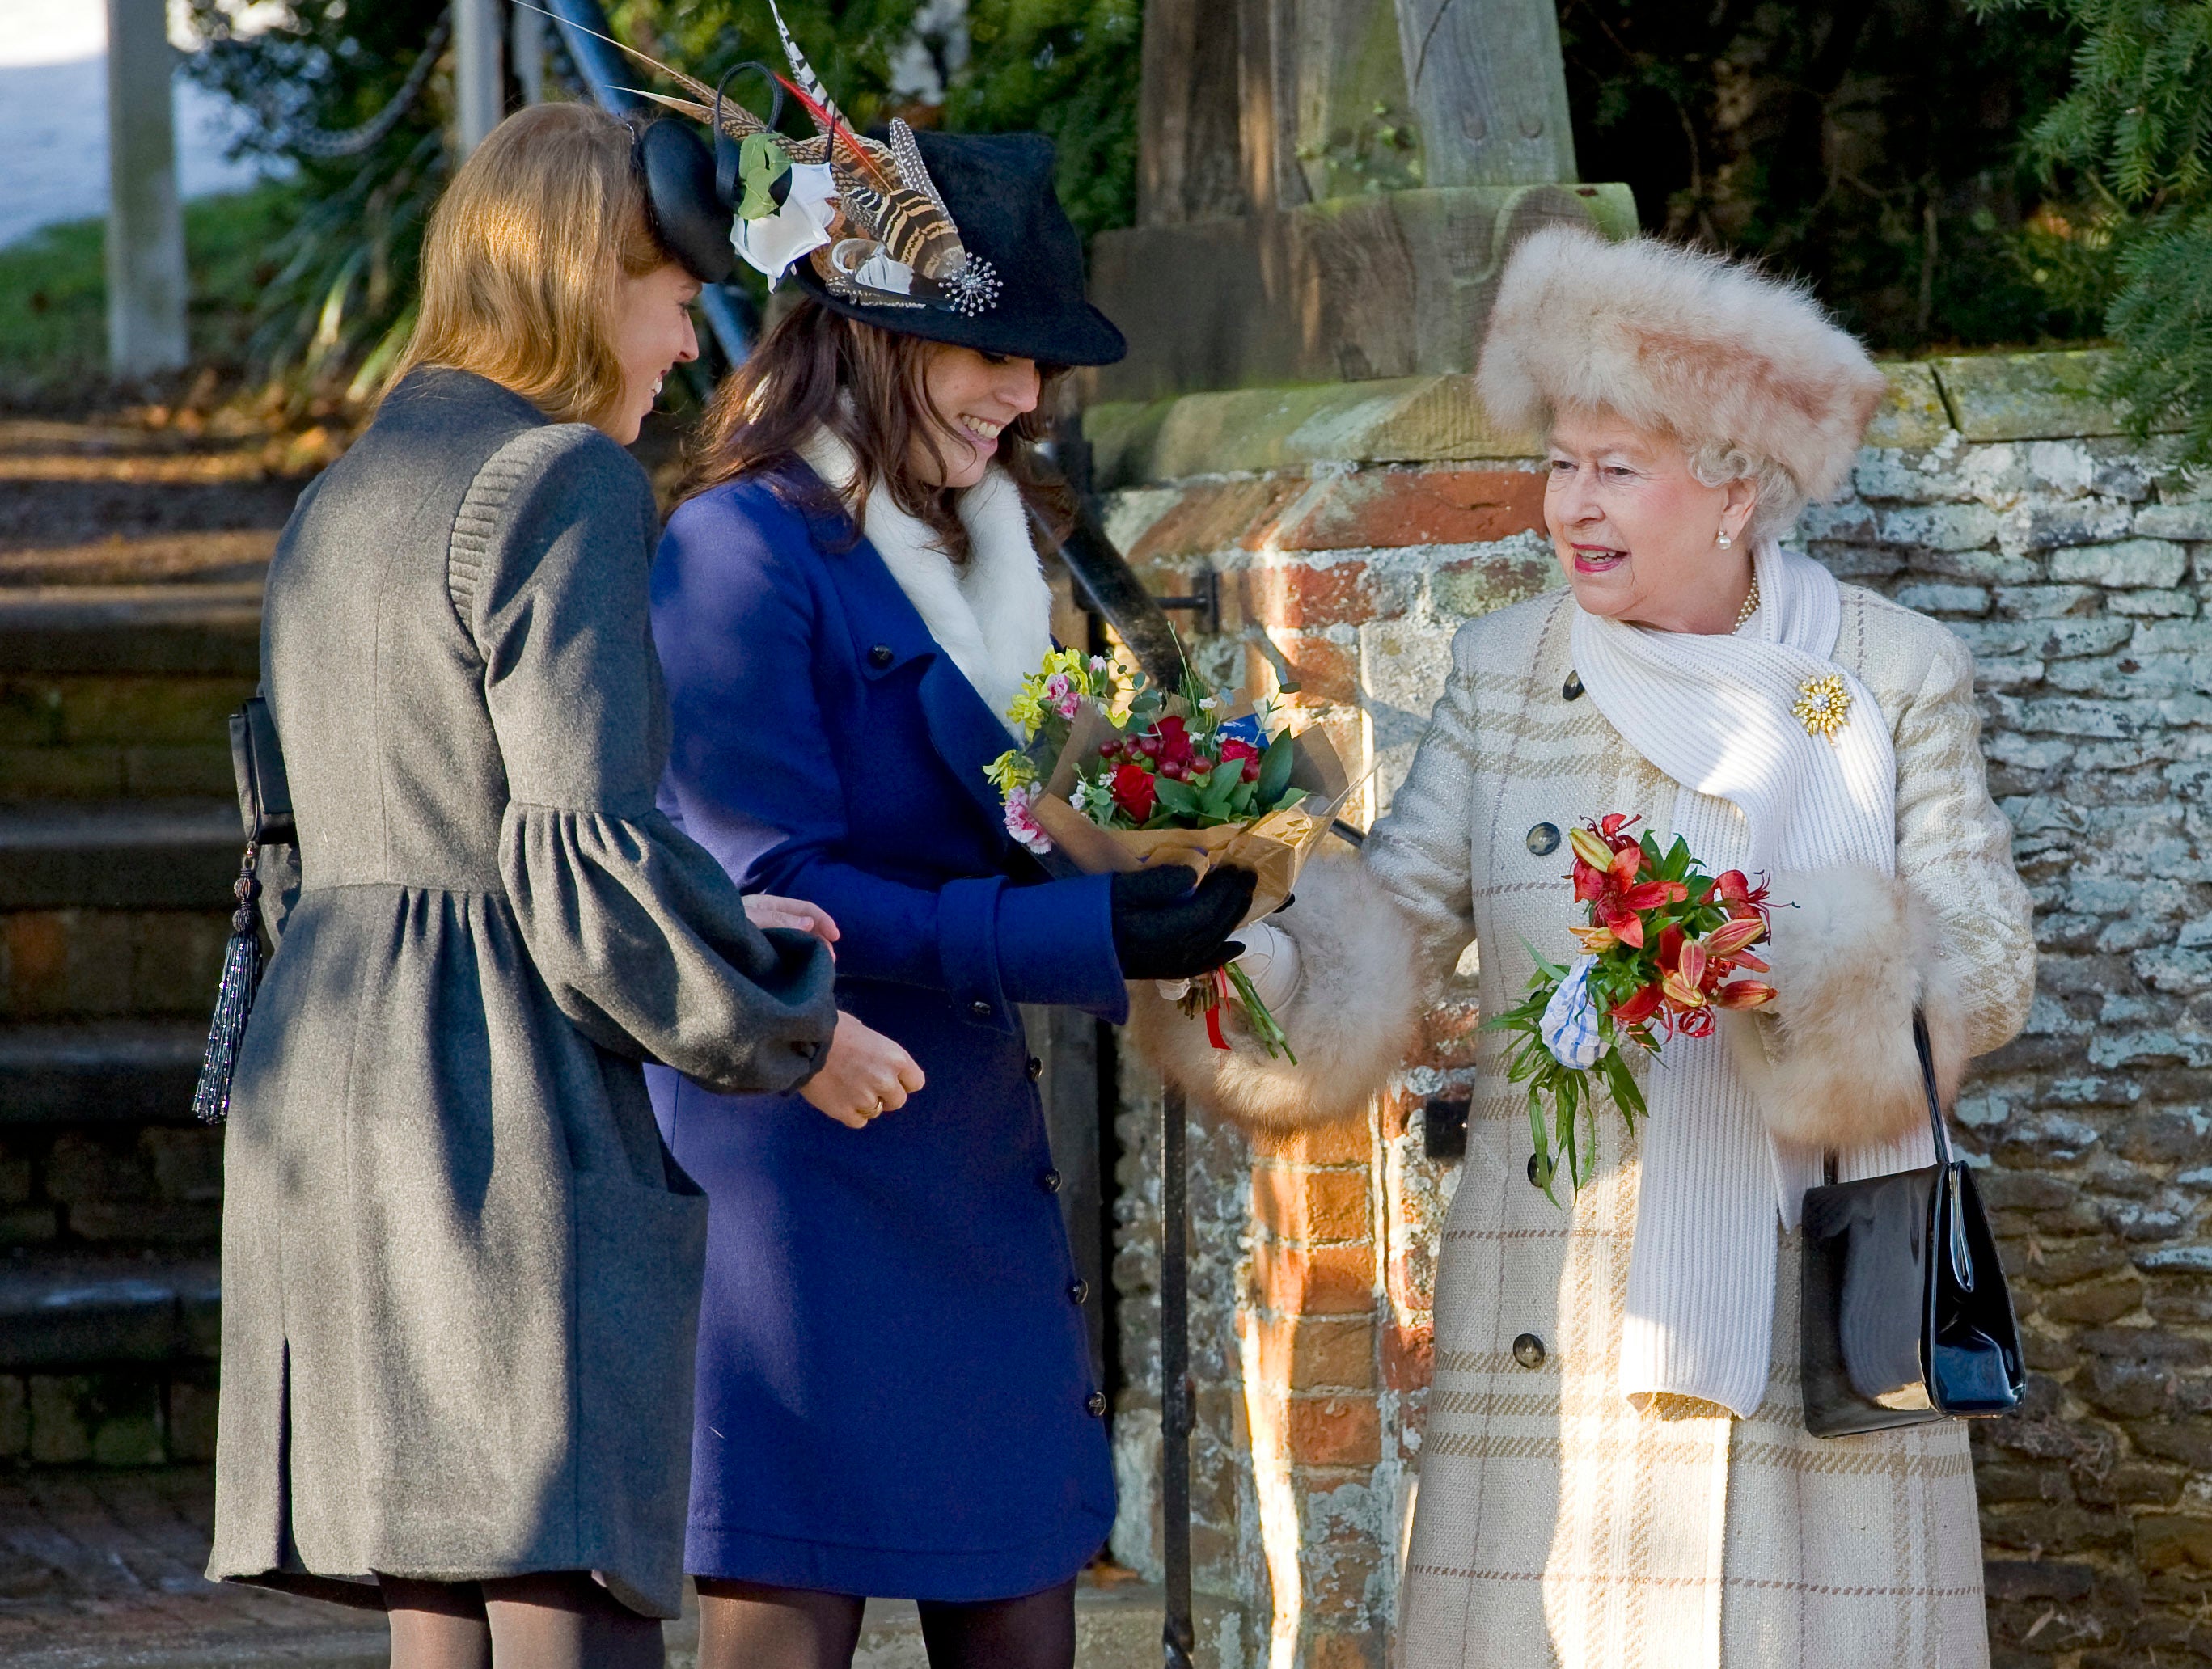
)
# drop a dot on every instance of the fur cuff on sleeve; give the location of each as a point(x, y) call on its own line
point(1351, 1023)
point(1832, 1058)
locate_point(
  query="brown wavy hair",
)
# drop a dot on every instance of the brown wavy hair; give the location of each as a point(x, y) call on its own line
point(520, 258)
point(796, 378)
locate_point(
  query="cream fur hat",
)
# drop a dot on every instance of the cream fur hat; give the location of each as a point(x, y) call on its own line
point(1668, 339)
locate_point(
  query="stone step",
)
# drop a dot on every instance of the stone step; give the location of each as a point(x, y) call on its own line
point(105, 1072)
point(188, 628)
point(196, 556)
point(123, 692)
point(126, 855)
point(66, 1313)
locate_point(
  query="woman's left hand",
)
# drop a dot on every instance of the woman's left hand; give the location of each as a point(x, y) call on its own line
point(766, 910)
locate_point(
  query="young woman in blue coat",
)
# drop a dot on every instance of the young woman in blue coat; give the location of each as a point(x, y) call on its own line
point(894, 1392)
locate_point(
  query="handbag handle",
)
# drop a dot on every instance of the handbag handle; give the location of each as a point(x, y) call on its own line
point(1936, 1127)
point(1962, 1258)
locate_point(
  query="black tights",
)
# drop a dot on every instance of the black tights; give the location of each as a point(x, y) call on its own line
point(748, 1625)
point(560, 1619)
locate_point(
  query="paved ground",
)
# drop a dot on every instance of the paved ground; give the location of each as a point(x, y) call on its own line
point(101, 1570)
point(104, 1568)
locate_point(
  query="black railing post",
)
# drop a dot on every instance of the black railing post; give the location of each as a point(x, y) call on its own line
point(1178, 1634)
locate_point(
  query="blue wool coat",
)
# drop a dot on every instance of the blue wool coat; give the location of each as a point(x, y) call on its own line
point(894, 1392)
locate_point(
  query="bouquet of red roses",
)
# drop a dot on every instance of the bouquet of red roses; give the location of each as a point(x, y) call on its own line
point(1662, 946)
point(1121, 775)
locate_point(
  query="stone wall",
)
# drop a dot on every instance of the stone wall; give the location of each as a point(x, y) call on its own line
point(1353, 529)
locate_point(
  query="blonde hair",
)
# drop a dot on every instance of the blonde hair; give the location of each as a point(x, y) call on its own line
point(521, 258)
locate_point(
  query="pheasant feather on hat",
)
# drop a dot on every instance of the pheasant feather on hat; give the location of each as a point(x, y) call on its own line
point(864, 212)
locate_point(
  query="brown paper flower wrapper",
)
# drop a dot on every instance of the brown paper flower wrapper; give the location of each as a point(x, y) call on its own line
point(1274, 847)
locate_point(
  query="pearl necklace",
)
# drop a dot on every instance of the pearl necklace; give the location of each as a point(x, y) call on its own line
point(1750, 606)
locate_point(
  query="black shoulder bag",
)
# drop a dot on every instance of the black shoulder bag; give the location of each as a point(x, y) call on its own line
point(265, 807)
point(1906, 1316)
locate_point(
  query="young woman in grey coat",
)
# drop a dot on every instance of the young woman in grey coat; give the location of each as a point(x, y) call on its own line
point(461, 1274)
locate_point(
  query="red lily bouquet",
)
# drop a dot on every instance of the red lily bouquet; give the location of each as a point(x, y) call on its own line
point(1116, 777)
point(1660, 952)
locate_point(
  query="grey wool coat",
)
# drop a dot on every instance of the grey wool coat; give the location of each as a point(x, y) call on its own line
point(460, 1273)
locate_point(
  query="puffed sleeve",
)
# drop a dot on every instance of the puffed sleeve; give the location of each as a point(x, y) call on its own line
point(739, 630)
point(640, 938)
point(1375, 936)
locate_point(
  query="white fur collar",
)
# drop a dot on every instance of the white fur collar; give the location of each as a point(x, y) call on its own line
point(992, 615)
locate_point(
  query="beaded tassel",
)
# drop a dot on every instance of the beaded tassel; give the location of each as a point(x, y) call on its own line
point(234, 998)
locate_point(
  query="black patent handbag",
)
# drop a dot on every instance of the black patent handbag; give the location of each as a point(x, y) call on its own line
point(1906, 1316)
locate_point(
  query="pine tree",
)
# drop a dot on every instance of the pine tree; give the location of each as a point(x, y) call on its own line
point(2135, 132)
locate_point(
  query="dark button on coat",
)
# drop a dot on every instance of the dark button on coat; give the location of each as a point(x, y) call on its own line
point(459, 1275)
point(894, 1392)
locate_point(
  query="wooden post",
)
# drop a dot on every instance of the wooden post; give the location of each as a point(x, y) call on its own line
point(145, 223)
point(480, 88)
point(1489, 90)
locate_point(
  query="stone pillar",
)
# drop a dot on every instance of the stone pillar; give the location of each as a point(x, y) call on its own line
point(146, 282)
point(479, 83)
point(1310, 1354)
point(1313, 1252)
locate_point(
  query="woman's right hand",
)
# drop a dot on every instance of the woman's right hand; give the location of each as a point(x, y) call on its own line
point(864, 1074)
point(1167, 928)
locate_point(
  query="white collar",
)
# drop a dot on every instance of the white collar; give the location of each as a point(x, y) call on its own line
point(993, 614)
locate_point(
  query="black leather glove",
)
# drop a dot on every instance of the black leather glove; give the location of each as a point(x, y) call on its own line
point(1166, 929)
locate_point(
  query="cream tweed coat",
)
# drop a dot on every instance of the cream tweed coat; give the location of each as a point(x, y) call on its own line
point(1556, 1523)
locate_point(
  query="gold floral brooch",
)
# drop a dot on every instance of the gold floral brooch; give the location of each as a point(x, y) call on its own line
point(1822, 706)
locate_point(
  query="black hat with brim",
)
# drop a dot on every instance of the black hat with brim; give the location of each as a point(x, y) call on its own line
point(998, 188)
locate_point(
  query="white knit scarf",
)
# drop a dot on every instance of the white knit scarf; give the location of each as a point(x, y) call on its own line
point(1761, 794)
point(993, 614)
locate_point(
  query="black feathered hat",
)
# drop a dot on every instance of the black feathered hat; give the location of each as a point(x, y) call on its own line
point(997, 188)
point(959, 238)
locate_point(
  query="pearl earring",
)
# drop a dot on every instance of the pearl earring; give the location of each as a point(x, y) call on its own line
point(1722, 540)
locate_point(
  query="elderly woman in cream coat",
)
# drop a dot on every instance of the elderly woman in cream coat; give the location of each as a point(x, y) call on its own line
point(1616, 1470)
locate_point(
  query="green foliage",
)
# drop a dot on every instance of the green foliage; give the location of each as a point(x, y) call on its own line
point(1065, 68)
point(1871, 146)
point(2133, 137)
point(1068, 68)
point(851, 45)
point(53, 292)
point(338, 302)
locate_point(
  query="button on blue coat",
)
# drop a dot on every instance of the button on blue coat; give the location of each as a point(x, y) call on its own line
point(894, 1380)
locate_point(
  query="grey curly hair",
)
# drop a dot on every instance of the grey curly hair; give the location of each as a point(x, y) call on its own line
point(1781, 501)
